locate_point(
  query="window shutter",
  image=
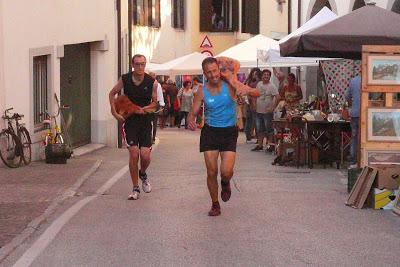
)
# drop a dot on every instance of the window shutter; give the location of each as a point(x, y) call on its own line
point(134, 12)
point(205, 15)
point(251, 16)
point(157, 19)
point(181, 14)
point(147, 13)
point(235, 15)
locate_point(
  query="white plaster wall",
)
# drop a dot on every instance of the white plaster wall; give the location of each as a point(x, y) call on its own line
point(165, 43)
point(2, 91)
point(272, 17)
point(40, 23)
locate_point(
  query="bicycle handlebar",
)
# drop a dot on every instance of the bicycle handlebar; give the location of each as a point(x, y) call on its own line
point(15, 116)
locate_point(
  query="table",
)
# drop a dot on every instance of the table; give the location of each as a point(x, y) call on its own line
point(329, 138)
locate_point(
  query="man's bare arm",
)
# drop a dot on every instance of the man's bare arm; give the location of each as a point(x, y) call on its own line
point(197, 102)
point(111, 96)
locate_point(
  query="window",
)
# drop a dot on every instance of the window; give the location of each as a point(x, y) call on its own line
point(396, 7)
point(358, 4)
point(219, 15)
point(40, 88)
point(319, 4)
point(251, 16)
point(178, 14)
point(146, 13)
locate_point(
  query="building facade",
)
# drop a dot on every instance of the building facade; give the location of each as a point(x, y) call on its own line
point(67, 48)
point(166, 29)
point(303, 10)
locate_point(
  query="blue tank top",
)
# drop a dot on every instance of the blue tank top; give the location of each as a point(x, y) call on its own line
point(220, 109)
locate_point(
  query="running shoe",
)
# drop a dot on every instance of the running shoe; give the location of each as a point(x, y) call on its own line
point(145, 182)
point(146, 186)
point(135, 193)
point(215, 209)
point(225, 190)
point(257, 148)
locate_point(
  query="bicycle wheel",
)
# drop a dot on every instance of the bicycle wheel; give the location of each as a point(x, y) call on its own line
point(10, 149)
point(26, 145)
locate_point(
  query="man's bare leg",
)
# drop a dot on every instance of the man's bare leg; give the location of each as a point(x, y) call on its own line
point(133, 169)
point(144, 158)
point(144, 164)
point(228, 159)
point(211, 160)
point(133, 164)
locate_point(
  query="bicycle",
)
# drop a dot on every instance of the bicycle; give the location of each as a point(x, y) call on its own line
point(54, 134)
point(15, 145)
point(55, 140)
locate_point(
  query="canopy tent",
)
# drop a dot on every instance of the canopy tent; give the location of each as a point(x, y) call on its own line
point(262, 51)
point(344, 36)
point(324, 16)
point(272, 58)
point(246, 51)
point(186, 65)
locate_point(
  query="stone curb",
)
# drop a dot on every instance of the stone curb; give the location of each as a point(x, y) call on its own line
point(34, 224)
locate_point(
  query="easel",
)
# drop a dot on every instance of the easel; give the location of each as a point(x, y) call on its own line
point(388, 89)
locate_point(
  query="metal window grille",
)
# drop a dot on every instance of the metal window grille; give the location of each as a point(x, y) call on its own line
point(40, 88)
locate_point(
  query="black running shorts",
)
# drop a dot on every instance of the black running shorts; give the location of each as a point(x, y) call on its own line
point(137, 131)
point(216, 138)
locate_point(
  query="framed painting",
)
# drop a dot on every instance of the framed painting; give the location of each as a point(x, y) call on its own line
point(384, 70)
point(383, 124)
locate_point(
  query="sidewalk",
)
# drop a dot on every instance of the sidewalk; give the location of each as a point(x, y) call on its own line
point(29, 193)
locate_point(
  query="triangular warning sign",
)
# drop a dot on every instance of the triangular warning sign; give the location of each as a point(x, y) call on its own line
point(206, 43)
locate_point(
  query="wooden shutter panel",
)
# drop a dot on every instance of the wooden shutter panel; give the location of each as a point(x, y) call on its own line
point(182, 14)
point(251, 16)
point(205, 15)
point(157, 19)
point(235, 15)
point(134, 12)
point(147, 13)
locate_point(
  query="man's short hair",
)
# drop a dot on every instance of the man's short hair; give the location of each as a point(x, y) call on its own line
point(266, 70)
point(208, 60)
point(195, 79)
point(136, 56)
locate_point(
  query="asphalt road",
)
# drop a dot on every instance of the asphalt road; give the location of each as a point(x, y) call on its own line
point(277, 216)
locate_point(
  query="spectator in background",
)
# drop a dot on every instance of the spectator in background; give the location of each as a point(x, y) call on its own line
point(291, 93)
point(165, 111)
point(161, 103)
point(353, 97)
point(252, 81)
point(195, 86)
point(265, 107)
point(185, 96)
point(281, 79)
point(172, 92)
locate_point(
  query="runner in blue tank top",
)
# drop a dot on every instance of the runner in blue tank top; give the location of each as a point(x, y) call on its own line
point(219, 135)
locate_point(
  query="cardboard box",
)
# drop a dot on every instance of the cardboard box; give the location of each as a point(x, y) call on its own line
point(383, 198)
point(388, 176)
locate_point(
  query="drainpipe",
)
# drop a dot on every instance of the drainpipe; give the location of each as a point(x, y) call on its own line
point(118, 6)
point(298, 13)
point(289, 16)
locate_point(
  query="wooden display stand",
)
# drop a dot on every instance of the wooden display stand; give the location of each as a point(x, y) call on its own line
point(378, 141)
